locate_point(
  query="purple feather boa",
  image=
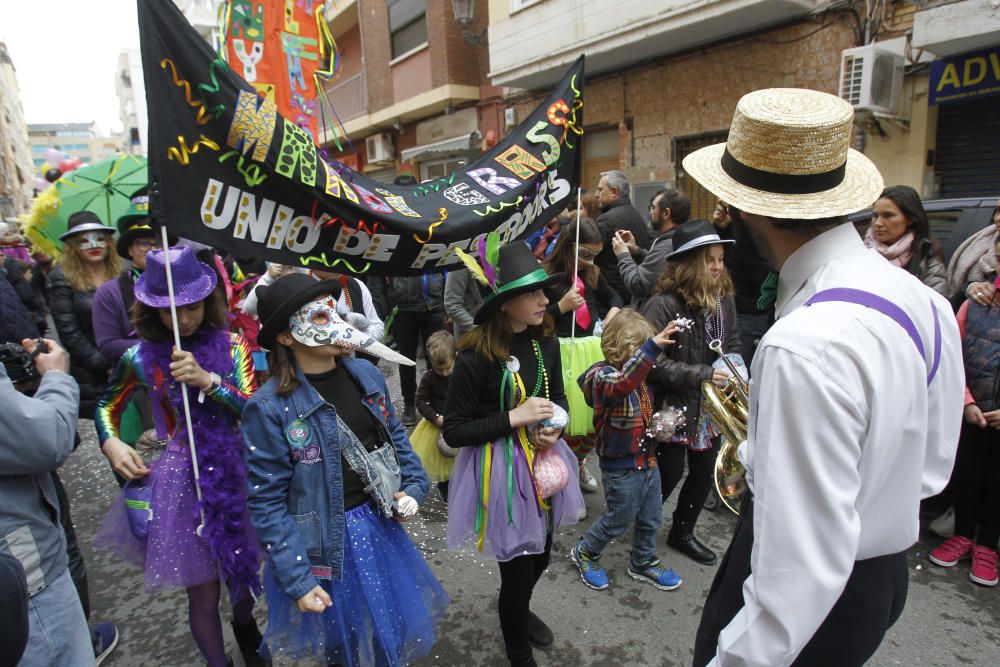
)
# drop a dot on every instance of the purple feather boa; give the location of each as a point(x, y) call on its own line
point(219, 447)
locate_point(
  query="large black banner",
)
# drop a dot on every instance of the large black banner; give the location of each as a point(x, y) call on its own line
point(227, 170)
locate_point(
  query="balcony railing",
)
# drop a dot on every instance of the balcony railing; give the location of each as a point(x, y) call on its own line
point(349, 99)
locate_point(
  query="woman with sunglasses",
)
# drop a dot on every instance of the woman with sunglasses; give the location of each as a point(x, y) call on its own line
point(587, 298)
point(85, 265)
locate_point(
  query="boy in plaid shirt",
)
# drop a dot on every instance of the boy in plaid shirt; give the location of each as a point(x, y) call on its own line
point(616, 389)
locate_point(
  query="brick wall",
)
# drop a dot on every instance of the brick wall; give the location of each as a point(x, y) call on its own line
point(698, 91)
point(453, 60)
point(374, 20)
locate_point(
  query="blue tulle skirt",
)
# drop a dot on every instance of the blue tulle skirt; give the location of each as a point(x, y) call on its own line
point(385, 607)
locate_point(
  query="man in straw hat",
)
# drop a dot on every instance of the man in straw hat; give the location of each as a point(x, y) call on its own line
point(855, 401)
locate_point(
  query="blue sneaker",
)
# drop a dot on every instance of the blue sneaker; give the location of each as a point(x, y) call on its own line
point(105, 639)
point(590, 569)
point(663, 578)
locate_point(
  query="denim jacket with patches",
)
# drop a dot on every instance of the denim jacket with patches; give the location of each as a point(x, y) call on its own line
point(294, 475)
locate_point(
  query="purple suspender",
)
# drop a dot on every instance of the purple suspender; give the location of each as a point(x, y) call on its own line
point(891, 310)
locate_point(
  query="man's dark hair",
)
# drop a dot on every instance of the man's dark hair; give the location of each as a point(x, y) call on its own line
point(679, 205)
point(652, 200)
point(812, 227)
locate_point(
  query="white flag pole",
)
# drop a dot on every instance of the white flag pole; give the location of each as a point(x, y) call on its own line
point(184, 392)
point(573, 278)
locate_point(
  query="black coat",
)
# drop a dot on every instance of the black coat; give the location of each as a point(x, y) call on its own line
point(599, 300)
point(677, 379)
point(619, 214)
point(71, 312)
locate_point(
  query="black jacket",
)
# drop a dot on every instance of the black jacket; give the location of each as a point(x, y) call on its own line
point(619, 214)
point(677, 379)
point(746, 267)
point(417, 293)
point(71, 312)
point(599, 300)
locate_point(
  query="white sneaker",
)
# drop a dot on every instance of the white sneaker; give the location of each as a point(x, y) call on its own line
point(944, 525)
point(587, 481)
point(582, 514)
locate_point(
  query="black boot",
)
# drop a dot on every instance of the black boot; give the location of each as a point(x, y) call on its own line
point(539, 634)
point(691, 547)
point(249, 639)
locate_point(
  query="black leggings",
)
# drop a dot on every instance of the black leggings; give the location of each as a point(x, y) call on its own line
point(518, 577)
point(976, 483)
point(409, 328)
point(697, 486)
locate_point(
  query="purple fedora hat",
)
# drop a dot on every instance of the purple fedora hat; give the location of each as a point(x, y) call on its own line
point(193, 281)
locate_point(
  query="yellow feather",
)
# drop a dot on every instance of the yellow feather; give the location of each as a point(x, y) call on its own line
point(473, 265)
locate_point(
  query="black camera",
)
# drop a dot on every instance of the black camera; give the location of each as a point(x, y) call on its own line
point(20, 364)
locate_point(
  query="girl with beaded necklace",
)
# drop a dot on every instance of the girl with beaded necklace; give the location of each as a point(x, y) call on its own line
point(696, 289)
point(507, 381)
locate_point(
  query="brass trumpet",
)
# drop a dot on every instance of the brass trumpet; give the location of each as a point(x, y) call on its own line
point(728, 406)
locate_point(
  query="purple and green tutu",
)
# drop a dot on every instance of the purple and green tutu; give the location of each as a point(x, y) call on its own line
point(514, 522)
point(173, 556)
point(386, 606)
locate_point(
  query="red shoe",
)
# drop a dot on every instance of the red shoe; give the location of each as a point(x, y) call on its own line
point(984, 566)
point(954, 549)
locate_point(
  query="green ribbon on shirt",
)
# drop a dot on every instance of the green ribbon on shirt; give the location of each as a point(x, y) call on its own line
point(768, 291)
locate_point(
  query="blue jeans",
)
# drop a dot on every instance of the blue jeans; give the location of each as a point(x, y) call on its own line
point(58, 635)
point(630, 496)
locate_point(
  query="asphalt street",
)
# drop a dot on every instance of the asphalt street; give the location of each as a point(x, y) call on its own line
point(948, 620)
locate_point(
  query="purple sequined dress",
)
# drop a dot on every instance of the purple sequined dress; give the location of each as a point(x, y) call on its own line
point(174, 555)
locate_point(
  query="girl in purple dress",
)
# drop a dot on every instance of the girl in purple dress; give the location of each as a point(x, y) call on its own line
point(188, 543)
point(508, 380)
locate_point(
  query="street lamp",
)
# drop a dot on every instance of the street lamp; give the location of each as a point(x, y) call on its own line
point(465, 12)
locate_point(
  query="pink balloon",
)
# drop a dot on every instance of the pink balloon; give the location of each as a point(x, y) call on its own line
point(40, 184)
point(66, 165)
point(54, 156)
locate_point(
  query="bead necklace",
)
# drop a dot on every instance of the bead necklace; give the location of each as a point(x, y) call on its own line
point(517, 385)
point(714, 326)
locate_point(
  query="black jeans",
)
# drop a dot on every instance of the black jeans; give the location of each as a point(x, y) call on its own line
point(871, 603)
point(976, 483)
point(700, 480)
point(409, 328)
point(518, 577)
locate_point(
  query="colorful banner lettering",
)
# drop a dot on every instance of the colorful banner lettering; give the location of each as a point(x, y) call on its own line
point(230, 169)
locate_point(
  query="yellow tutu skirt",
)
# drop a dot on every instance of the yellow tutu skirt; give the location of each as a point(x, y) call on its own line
point(425, 443)
point(577, 356)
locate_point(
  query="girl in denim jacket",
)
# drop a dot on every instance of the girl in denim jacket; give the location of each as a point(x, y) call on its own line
point(331, 475)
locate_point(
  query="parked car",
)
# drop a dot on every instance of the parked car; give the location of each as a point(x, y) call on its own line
point(952, 220)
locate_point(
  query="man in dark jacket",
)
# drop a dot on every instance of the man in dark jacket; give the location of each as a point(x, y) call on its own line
point(420, 304)
point(617, 214)
point(639, 268)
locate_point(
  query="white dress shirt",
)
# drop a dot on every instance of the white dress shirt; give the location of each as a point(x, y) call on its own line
point(845, 439)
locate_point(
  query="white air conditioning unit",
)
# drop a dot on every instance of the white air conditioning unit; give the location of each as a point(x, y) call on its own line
point(871, 79)
point(379, 147)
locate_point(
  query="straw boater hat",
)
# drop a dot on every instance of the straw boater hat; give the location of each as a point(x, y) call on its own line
point(788, 156)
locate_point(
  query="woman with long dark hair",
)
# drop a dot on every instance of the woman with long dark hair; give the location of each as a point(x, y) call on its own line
point(901, 232)
point(586, 299)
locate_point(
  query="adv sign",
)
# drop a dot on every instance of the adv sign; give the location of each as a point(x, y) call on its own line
point(965, 77)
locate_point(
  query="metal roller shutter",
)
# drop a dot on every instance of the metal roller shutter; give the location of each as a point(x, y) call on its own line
point(967, 156)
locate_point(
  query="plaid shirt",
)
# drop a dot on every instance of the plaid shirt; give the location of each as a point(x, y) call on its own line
point(622, 408)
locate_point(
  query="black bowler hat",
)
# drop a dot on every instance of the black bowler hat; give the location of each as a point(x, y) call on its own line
point(276, 303)
point(695, 234)
point(84, 221)
point(518, 272)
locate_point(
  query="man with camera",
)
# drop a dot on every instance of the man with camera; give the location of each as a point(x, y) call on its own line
point(36, 436)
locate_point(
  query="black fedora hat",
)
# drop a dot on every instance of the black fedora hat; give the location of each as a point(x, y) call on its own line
point(693, 235)
point(277, 303)
point(84, 221)
point(518, 272)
